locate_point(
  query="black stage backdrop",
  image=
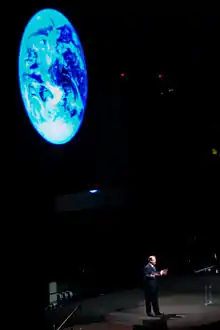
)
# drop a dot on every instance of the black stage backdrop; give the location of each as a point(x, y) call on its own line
point(158, 148)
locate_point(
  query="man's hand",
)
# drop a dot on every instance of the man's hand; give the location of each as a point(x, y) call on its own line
point(164, 272)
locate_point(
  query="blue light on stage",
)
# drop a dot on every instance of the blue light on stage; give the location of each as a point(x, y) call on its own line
point(94, 191)
point(53, 76)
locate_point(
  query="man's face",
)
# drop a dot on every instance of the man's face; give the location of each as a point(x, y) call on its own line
point(154, 260)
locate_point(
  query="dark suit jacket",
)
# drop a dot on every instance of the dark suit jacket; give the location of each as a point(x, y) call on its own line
point(150, 282)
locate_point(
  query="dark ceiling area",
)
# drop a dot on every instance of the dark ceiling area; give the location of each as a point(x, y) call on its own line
point(131, 135)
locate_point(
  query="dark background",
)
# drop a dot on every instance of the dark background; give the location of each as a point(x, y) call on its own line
point(156, 146)
point(131, 133)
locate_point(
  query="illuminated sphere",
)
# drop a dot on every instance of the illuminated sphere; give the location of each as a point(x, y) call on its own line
point(53, 76)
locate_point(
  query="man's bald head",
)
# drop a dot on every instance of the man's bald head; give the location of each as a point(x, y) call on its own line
point(152, 260)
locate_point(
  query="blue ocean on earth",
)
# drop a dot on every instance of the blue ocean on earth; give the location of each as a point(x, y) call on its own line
point(53, 76)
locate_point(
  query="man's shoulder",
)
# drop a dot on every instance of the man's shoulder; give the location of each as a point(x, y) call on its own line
point(147, 265)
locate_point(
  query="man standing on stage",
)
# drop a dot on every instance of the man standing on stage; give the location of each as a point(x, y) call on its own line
point(151, 287)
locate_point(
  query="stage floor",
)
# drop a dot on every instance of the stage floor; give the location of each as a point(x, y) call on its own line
point(120, 311)
point(180, 311)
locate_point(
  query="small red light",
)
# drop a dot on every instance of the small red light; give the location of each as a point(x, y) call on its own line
point(122, 74)
point(160, 76)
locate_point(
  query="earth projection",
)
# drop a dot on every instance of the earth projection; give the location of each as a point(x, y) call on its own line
point(53, 76)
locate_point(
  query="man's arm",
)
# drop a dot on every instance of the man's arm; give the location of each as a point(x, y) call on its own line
point(161, 273)
point(148, 272)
